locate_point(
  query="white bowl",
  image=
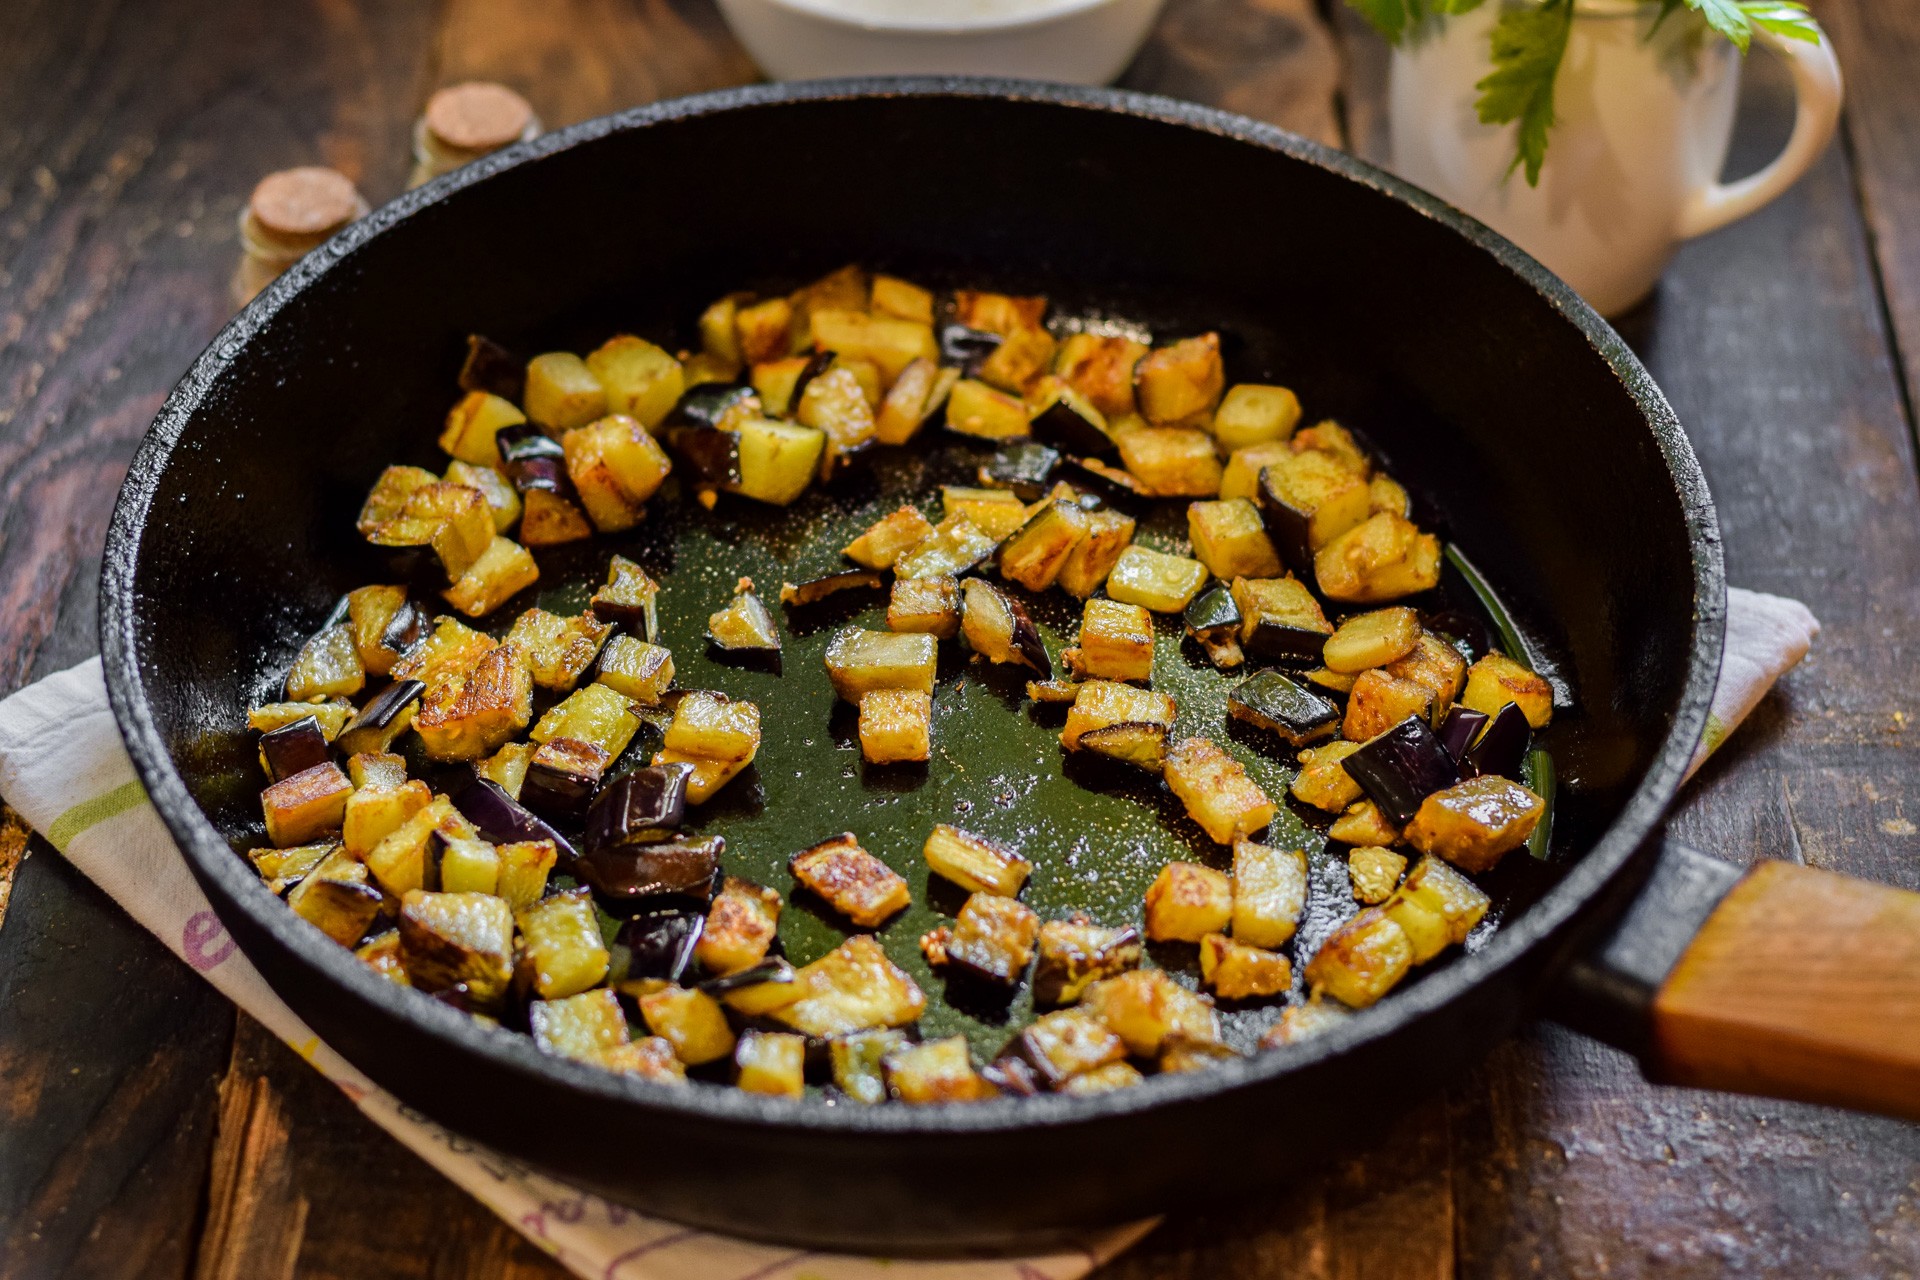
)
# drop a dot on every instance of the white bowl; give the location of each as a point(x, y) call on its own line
point(1067, 41)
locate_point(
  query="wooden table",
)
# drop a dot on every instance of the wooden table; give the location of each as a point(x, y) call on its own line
point(147, 1131)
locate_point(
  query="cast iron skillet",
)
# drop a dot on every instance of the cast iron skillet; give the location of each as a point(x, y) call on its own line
point(1502, 399)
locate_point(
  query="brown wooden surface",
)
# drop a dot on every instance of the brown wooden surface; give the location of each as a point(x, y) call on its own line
point(145, 1131)
point(1802, 984)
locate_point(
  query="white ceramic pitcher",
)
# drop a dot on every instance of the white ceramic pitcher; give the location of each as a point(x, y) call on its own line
point(1643, 120)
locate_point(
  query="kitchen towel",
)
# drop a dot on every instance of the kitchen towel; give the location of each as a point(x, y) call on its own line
point(64, 770)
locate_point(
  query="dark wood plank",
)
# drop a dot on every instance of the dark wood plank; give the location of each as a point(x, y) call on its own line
point(1879, 46)
point(305, 1185)
point(138, 130)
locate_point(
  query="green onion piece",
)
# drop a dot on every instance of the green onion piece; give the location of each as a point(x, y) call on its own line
point(1510, 638)
point(1537, 771)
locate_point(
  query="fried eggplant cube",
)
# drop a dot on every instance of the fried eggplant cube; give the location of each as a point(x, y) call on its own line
point(1237, 971)
point(558, 650)
point(741, 925)
point(1171, 462)
point(1180, 382)
point(1035, 555)
point(1322, 782)
point(1379, 701)
point(1495, 680)
point(639, 379)
point(1384, 557)
point(896, 726)
point(336, 898)
point(1116, 643)
point(1214, 786)
point(691, 1021)
point(854, 882)
point(1076, 953)
point(594, 713)
point(855, 1061)
point(974, 862)
point(472, 424)
point(1229, 538)
point(308, 804)
point(524, 867)
point(1155, 580)
point(1241, 478)
point(1115, 1075)
point(372, 613)
point(328, 666)
point(562, 392)
point(1308, 500)
point(403, 859)
point(1362, 825)
point(503, 500)
point(852, 988)
point(374, 813)
point(1437, 907)
point(1092, 559)
point(993, 938)
point(1146, 1006)
point(956, 545)
point(469, 717)
point(1363, 959)
point(563, 951)
point(744, 625)
point(999, 629)
point(985, 412)
point(1302, 1022)
point(1437, 665)
point(629, 600)
point(1101, 369)
point(1064, 1044)
point(1473, 824)
point(457, 940)
point(835, 404)
point(1269, 893)
point(934, 1072)
point(889, 537)
point(772, 1063)
point(583, 1027)
point(615, 466)
point(860, 661)
point(1251, 413)
point(1374, 873)
point(1369, 640)
point(1100, 705)
point(1280, 620)
point(925, 605)
point(503, 570)
point(715, 727)
point(1186, 902)
point(916, 395)
point(778, 460)
point(635, 669)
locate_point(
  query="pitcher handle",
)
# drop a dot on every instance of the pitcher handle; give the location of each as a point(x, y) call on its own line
point(1817, 93)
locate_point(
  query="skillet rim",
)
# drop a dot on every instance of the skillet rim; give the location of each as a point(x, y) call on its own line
point(1511, 946)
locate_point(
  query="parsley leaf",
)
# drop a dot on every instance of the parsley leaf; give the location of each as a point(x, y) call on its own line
point(1783, 18)
point(1528, 44)
point(1388, 17)
point(1727, 17)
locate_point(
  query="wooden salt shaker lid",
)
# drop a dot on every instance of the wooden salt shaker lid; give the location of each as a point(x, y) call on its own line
point(477, 117)
point(296, 209)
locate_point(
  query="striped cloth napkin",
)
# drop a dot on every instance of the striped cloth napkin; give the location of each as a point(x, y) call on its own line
point(62, 767)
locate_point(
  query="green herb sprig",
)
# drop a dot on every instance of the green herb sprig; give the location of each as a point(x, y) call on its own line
point(1530, 40)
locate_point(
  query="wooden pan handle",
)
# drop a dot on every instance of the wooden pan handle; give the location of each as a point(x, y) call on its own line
point(1801, 984)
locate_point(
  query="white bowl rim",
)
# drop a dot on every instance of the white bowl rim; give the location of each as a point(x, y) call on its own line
point(1041, 14)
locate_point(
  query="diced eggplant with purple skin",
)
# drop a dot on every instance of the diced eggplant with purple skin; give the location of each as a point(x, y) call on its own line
point(382, 720)
point(294, 748)
point(660, 943)
point(1501, 747)
point(532, 459)
point(1272, 702)
point(745, 625)
point(1110, 480)
point(1400, 768)
point(707, 404)
point(1074, 425)
point(1213, 620)
point(491, 368)
point(641, 806)
point(500, 819)
point(772, 971)
point(709, 455)
point(964, 346)
point(562, 775)
point(1000, 629)
point(1012, 1074)
point(1026, 468)
point(407, 627)
point(1458, 730)
point(681, 868)
point(815, 590)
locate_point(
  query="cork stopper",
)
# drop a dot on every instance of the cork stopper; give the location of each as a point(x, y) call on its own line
point(477, 117)
point(290, 213)
point(463, 122)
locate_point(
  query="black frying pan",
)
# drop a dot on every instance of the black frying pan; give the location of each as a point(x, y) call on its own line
point(1520, 420)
